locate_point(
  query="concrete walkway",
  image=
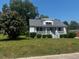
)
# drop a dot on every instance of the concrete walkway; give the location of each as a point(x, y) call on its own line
point(61, 56)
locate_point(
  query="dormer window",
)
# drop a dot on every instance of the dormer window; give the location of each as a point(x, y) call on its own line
point(48, 23)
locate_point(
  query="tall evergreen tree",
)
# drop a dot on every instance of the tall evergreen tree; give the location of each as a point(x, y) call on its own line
point(73, 25)
point(5, 6)
point(66, 23)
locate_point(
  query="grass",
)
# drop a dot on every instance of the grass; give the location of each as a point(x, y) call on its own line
point(36, 47)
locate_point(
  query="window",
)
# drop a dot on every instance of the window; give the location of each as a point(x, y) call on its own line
point(60, 29)
point(48, 23)
point(39, 29)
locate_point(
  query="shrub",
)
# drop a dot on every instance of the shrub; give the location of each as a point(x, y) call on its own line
point(32, 35)
point(49, 36)
point(71, 35)
point(27, 34)
point(44, 36)
point(39, 35)
point(63, 36)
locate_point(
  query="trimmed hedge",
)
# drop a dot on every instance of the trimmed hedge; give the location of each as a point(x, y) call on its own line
point(44, 36)
point(49, 36)
point(39, 35)
point(32, 35)
point(63, 36)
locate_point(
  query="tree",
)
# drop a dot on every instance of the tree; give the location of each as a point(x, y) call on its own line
point(43, 16)
point(66, 23)
point(5, 6)
point(11, 23)
point(25, 8)
point(73, 25)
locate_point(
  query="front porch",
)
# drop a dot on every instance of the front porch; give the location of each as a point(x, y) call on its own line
point(54, 31)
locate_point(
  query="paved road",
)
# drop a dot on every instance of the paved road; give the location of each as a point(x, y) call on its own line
point(61, 56)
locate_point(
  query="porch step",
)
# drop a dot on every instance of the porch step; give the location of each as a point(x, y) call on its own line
point(56, 36)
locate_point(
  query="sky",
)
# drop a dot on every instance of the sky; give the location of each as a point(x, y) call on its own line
point(60, 9)
point(2, 2)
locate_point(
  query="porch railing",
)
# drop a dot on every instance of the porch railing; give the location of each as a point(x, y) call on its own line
point(61, 32)
point(43, 32)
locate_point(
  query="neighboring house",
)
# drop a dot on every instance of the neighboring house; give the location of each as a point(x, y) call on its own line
point(47, 26)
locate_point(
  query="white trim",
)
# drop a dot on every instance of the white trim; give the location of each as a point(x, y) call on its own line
point(55, 33)
point(44, 22)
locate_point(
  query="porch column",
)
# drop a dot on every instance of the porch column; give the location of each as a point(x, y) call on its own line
point(43, 31)
point(57, 33)
point(65, 32)
point(46, 31)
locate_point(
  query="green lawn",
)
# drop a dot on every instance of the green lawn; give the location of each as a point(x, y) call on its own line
point(36, 47)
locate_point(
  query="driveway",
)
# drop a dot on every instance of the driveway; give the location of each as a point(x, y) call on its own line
point(61, 56)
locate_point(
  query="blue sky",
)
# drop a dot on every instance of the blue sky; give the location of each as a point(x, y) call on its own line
point(60, 9)
point(2, 2)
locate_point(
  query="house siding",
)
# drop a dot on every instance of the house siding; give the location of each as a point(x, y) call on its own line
point(55, 25)
point(45, 32)
point(32, 29)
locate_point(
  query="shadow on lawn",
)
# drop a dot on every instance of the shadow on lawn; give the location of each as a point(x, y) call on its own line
point(17, 39)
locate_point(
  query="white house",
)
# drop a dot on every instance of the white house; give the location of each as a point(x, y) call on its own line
point(46, 26)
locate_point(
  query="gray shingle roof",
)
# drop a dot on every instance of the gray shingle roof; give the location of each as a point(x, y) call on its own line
point(39, 23)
